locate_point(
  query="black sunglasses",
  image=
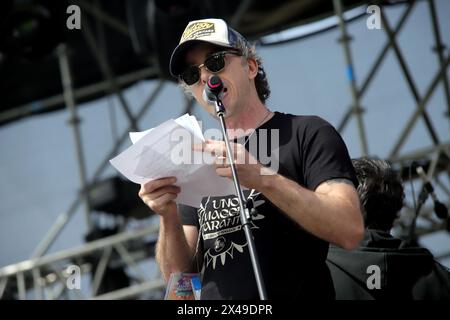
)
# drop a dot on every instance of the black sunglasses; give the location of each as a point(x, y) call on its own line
point(213, 63)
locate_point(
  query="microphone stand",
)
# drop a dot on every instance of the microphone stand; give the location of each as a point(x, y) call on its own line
point(245, 216)
point(440, 209)
point(412, 238)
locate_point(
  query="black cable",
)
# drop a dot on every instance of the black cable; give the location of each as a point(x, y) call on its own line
point(409, 238)
point(412, 188)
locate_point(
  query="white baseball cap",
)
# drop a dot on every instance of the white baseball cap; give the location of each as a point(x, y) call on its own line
point(215, 31)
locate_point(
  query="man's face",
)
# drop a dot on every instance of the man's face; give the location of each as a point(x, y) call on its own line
point(235, 77)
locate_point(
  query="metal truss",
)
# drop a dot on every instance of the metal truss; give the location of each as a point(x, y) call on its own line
point(44, 276)
point(439, 152)
point(50, 277)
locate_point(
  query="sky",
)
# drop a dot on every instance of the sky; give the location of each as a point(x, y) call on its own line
point(38, 161)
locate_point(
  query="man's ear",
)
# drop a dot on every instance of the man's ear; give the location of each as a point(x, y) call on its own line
point(252, 68)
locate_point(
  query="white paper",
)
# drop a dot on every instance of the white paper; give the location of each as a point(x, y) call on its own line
point(135, 136)
point(186, 121)
point(152, 157)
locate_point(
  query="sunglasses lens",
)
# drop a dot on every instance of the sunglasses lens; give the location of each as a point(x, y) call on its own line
point(191, 75)
point(215, 63)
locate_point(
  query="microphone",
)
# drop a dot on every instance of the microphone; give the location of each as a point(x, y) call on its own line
point(439, 208)
point(213, 91)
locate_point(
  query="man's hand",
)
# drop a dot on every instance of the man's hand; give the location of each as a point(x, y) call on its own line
point(249, 170)
point(160, 194)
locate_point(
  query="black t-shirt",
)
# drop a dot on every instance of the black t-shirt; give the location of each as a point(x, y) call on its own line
point(307, 150)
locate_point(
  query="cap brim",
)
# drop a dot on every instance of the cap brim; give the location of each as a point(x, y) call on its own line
point(177, 60)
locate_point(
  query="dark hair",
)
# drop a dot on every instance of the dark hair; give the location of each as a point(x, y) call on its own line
point(380, 191)
point(261, 83)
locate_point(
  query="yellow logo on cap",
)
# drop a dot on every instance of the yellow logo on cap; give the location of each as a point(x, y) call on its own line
point(197, 30)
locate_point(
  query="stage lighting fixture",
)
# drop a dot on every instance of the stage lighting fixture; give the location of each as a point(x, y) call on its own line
point(118, 197)
point(30, 29)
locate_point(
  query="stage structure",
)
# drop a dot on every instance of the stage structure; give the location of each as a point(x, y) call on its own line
point(436, 159)
point(110, 259)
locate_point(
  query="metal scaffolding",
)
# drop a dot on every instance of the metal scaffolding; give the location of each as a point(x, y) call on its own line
point(439, 152)
point(45, 276)
point(48, 276)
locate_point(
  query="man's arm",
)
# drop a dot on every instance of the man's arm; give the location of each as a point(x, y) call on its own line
point(175, 249)
point(331, 212)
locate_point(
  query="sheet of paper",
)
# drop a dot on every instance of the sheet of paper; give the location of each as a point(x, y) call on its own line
point(135, 136)
point(158, 153)
point(186, 121)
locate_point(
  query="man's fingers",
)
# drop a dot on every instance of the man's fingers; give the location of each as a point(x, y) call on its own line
point(224, 172)
point(221, 161)
point(163, 200)
point(156, 184)
point(204, 147)
point(167, 189)
point(157, 200)
point(216, 148)
point(151, 196)
point(198, 147)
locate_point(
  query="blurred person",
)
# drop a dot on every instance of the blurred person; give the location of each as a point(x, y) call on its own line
point(403, 272)
point(308, 202)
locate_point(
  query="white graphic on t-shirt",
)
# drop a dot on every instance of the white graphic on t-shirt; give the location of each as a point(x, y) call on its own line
point(209, 257)
point(219, 217)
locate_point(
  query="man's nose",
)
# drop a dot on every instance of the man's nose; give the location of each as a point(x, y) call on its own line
point(204, 75)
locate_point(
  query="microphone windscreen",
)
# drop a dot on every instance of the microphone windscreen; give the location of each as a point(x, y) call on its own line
point(213, 90)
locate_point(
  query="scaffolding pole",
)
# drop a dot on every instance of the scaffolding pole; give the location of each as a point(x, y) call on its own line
point(440, 49)
point(65, 217)
point(356, 105)
point(74, 121)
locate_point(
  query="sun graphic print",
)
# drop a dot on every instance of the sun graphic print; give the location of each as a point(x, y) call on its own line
point(219, 220)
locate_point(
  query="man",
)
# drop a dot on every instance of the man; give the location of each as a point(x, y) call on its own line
point(308, 202)
point(380, 268)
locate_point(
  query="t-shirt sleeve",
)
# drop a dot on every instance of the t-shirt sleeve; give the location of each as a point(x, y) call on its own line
point(188, 215)
point(326, 156)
